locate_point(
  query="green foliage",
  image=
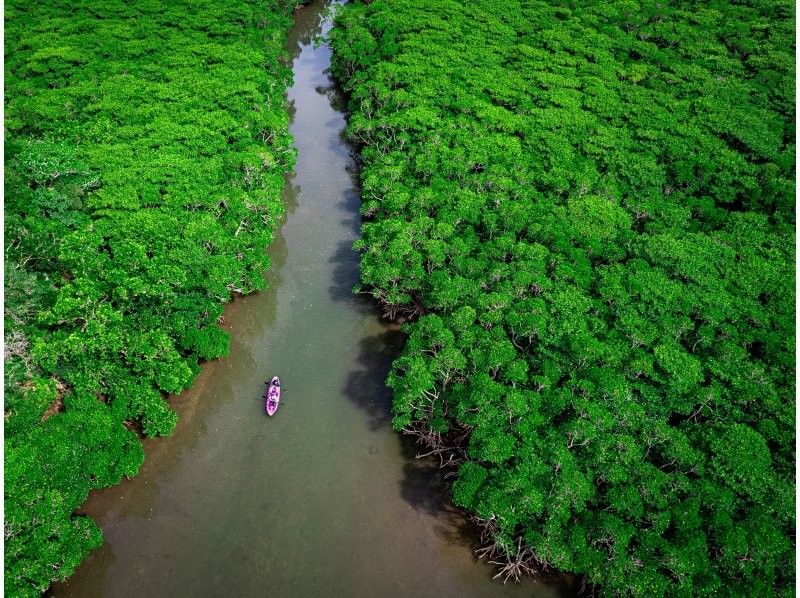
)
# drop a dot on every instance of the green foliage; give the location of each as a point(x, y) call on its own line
point(146, 148)
point(49, 471)
point(593, 208)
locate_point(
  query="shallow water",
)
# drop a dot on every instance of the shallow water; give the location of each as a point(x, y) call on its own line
point(323, 499)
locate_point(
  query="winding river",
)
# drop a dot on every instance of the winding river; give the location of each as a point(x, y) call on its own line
point(324, 499)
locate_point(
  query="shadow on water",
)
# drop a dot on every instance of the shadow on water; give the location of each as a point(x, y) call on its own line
point(308, 24)
point(366, 387)
point(425, 488)
point(346, 276)
point(423, 485)
point(291, 191)
point(335, 97)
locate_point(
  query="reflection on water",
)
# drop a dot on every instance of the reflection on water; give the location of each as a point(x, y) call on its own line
point(323, 499)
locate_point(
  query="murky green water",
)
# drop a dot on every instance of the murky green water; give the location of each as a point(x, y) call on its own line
point(324, 499)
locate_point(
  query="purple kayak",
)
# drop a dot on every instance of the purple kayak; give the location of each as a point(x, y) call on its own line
point(272, 397)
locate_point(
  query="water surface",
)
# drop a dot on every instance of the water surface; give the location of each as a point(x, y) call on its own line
point(323, 499)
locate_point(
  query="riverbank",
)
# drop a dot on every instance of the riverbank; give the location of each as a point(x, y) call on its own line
point(589, 216)
point(145, 155)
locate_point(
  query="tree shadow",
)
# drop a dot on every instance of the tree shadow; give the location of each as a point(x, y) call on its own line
point(346, 260)
point(346, 275)
point(308, 19)
point(425, 488)
point(333, 93)
point(423, 485)
point(366, 387)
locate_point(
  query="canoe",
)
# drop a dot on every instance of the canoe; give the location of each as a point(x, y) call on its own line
point(272, 397)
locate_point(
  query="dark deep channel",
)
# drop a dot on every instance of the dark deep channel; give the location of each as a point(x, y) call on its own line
point(324, 499)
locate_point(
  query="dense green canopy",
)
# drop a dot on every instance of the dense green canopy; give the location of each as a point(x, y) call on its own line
point(146, 147)
point(590, 207)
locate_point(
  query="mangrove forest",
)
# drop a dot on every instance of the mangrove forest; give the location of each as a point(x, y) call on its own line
point(145, 151)
point(557, 237)
point(586, 213)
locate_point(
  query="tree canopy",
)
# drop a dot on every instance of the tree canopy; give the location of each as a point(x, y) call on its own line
point(587, 210)
point(146, 147)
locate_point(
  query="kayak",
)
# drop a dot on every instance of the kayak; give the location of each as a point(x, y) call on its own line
point(272, 397)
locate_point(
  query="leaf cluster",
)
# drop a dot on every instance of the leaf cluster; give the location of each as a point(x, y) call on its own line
point(592, 207)
point(146, 148)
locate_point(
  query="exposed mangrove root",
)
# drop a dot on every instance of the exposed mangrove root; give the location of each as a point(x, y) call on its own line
point(524, 562)
point(393, 311)
point(450, 448)
point(510, 566)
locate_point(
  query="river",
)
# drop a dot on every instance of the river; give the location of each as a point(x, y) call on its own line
point(323, 499)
